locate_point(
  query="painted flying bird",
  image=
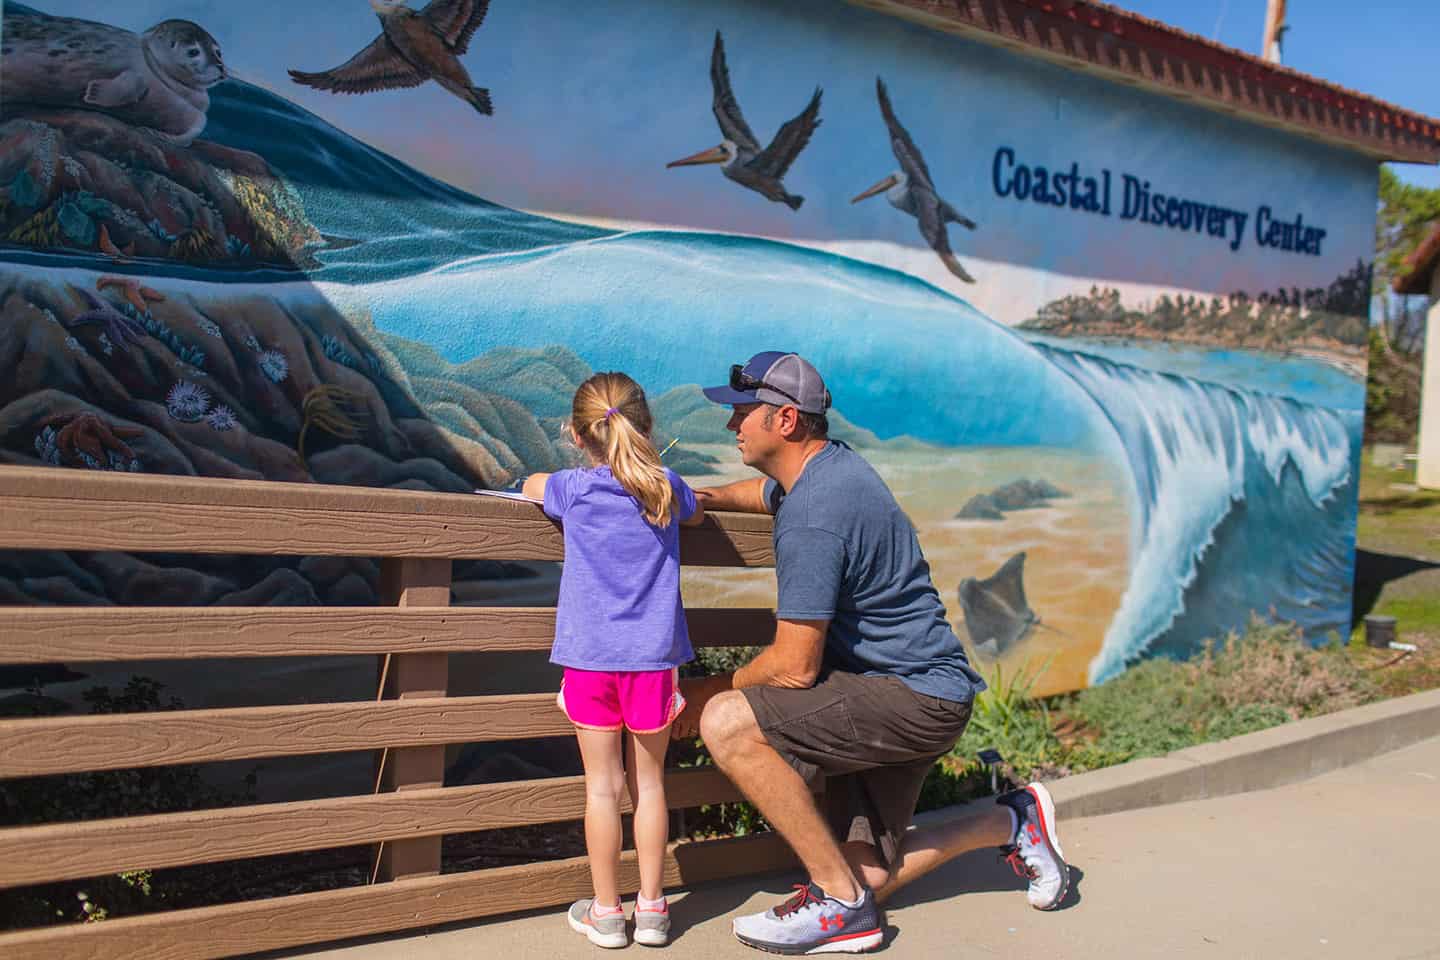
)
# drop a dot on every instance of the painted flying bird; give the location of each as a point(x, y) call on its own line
point(739, 151)
point(910, 189)
point(412, 48)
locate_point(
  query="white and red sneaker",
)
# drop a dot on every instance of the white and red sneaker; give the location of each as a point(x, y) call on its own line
point(1034, 852)
point(813, 922)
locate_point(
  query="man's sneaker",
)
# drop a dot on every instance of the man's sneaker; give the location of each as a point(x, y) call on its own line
point(606, 931)
point(652, 927)
point(1034, 851)
point(812, 922)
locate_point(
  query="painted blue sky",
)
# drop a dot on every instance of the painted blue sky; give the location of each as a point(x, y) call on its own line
point(591, 103)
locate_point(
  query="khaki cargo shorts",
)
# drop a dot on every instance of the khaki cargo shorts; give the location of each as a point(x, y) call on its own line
point(874, 738)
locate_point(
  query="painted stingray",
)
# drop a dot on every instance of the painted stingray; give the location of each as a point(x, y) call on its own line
point(997, 617)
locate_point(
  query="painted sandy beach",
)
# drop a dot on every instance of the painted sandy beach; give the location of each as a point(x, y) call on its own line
point(1077, 554)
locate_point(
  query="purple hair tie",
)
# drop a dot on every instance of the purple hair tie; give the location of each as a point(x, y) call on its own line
point(611, 412)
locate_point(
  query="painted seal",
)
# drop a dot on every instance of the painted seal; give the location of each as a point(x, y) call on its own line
point(156, 80)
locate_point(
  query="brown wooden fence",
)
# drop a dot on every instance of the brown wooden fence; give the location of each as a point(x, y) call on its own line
point(417, 534)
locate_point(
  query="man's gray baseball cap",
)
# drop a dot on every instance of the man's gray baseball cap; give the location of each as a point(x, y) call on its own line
point(774, 377)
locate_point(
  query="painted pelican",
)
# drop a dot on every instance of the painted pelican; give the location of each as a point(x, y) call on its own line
point(739, 152)
point(412, 48)
point(910, 189)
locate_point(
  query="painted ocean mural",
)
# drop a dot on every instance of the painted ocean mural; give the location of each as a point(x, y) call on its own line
point(280, 299)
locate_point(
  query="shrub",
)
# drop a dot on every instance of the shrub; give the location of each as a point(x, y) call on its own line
point(108, 793)
point(1272, 665)
point(1150, 709)
point(1245, 719)
point(713, 660)
point(1006, 718)
point(1267, 676)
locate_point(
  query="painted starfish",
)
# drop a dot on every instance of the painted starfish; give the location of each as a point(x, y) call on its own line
point(87, 438)
point(121, 328)
point(107, 246)
point(140, 297)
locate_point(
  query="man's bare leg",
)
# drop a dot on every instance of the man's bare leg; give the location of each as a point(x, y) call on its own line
point(740, 749)
point(984, 824)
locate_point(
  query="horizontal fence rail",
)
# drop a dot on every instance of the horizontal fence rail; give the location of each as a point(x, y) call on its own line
point(80, 634)
point(72, 851)
point(96, 511)
point(253, 926)
point(407, 728)
point(118, 741)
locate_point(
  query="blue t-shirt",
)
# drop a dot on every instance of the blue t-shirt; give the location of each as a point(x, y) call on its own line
point(846, 552)
point(619, 606)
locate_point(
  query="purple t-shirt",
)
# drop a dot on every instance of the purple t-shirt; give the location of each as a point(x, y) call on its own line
point(619, 603)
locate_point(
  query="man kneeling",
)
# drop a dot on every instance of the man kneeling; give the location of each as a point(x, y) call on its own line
point(865, 682)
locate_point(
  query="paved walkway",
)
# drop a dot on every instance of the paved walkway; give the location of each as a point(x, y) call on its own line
point(1342, 866)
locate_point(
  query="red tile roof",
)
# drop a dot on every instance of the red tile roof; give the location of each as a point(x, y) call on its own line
point(1420, 266)
point(1133, 49)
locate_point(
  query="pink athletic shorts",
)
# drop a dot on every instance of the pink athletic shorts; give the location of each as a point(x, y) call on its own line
point(642, 701)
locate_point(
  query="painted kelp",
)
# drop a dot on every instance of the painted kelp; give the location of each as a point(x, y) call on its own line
point(281, 299)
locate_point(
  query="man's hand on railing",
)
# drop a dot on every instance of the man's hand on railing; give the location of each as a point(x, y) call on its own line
point(742, 496)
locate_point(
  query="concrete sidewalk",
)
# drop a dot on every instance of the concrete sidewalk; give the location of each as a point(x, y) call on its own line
point(1340, 866)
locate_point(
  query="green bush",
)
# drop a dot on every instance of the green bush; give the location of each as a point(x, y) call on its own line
point(712, 660)
point(104, 794)
point(1148, 710)
point(1245, 719)
point(1267, 676)
point(1008, 719)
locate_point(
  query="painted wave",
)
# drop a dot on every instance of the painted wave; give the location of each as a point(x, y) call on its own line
point(1245, 502)
point(389, 219)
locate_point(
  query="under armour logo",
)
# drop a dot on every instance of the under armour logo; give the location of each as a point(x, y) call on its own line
point(831, 922)
point(1034, 833)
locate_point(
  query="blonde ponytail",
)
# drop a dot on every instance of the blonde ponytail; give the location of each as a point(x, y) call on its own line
point(611, 418)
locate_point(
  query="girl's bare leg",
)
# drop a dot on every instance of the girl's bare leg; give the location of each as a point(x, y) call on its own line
point(652, 819)
point(604, 787)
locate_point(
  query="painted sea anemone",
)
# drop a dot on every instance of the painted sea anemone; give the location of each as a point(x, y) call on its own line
point(47, 446)
point(274, 365)
point(222, 418)
point(187, 401)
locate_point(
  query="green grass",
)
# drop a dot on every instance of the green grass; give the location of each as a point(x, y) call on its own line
point(1419, 614)
point(1400, 523)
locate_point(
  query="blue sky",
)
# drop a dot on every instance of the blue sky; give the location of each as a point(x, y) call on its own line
point(1386, 48)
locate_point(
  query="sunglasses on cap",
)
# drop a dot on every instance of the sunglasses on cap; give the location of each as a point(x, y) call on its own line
point(744, 383)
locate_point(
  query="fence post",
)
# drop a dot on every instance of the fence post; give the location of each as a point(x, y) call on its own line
point(412, 582)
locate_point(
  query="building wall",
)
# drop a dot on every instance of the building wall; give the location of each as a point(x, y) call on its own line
point(1118, 387)
point(1428, 472)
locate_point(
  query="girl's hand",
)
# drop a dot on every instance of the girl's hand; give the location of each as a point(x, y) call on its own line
point(535, 486)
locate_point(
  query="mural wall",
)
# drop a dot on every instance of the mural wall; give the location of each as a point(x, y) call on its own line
point(1107, 349)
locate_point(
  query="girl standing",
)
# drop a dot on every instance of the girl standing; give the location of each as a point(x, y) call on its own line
point(620, 635)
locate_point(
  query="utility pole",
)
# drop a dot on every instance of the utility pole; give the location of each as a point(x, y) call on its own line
point(1275, 27)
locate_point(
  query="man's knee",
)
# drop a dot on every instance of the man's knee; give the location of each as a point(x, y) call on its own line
point(727, 723)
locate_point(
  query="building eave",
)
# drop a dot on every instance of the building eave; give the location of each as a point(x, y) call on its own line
point(1125, 47)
